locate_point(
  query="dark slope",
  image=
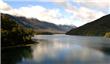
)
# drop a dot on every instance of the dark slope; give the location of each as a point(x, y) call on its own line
point(98, 27)
point(37, 25)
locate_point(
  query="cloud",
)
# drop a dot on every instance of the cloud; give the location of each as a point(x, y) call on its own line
point(79, 15)
point(85, 13)
point(98, 4)
point(38, 0)
point(39, 12)
point(4, 6)
point(57, 1)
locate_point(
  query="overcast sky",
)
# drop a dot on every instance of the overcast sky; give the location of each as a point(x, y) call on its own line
point(71, 12)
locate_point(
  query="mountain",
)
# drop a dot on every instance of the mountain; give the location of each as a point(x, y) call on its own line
point(13, 34)
point(37, 25)
point(67, 27)
point(99, 27)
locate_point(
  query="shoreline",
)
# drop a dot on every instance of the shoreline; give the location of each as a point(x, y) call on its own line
point(17, 46)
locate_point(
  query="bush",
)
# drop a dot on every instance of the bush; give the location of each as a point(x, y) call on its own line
point(13, 33)
point(107, 34)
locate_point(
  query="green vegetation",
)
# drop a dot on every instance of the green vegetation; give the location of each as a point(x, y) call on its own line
point(13, 34)
point(107, 34)
point(99, 27)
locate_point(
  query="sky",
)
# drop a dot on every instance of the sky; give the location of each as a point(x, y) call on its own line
point(69, 12)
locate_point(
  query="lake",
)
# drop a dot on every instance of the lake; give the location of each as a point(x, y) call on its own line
point(60, 49)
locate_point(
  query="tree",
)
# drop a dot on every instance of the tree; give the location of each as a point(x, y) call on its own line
point(107, 34)
point(13, 33)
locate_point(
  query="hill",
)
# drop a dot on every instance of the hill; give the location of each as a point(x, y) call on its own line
point(37, 25)
point(13, 34)
point(99, 27)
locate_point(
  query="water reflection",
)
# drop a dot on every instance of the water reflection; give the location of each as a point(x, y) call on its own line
point(68, 50)
point(60, 49)
point(14, 55)
point(64, 53)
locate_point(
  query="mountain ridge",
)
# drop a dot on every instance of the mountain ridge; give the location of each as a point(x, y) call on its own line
point(37, 25)
point(98, 27)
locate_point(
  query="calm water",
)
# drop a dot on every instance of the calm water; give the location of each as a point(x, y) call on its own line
point(60, 49)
